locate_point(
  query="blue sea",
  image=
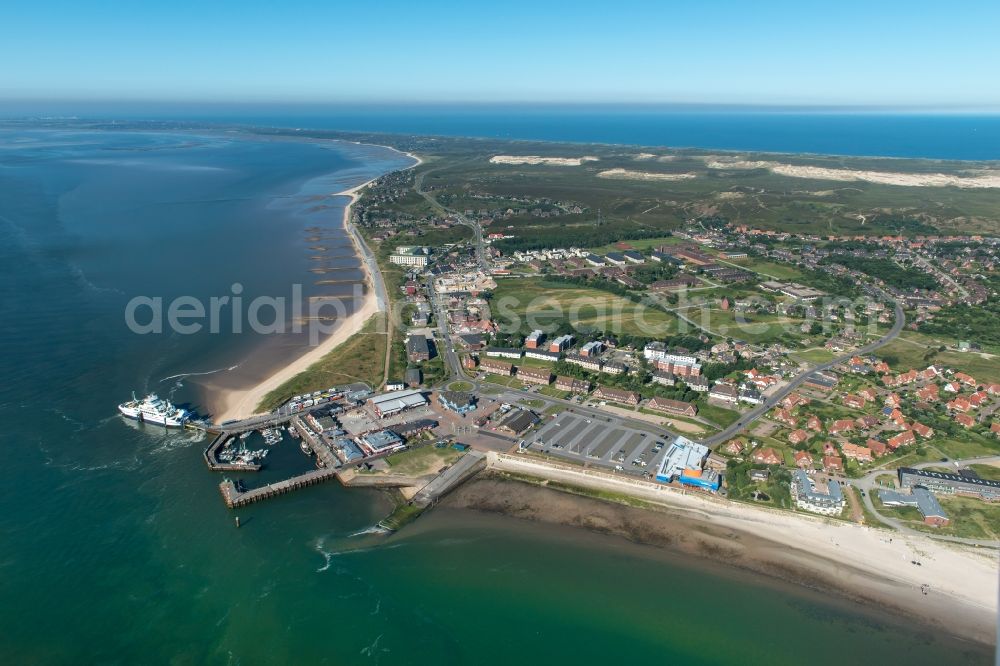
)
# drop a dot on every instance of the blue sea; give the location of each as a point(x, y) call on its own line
point(878, 133)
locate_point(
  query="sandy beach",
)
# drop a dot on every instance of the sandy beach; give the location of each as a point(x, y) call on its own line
point(242, 402)
point(953, 589)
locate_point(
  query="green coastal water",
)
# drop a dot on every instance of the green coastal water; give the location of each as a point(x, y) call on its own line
point(115, 546)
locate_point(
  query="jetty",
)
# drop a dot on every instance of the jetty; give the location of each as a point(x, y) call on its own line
point(467, 466)
point(235, 499)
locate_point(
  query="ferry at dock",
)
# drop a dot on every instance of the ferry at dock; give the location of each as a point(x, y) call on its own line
point(153, 409)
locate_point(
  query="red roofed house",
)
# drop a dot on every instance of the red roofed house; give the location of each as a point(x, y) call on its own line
point(952, 387)
point(929, 393)
point(995, 427)
point(965, 420)
point(843, 425)
point(877, 447)
point(785, 416)
point(794, 400)
point(833, 464)
point(803, 459)
point(868, 393)
point(902, 439)
point(860, 453)
point(813, 423)
point(767, 456)
point(993, 389)
point(978, 398)
point(924, 431)
point(959, 404)
point(855, 401)
point(968, 380)
point(882, 367)
point(736, 447)
point(893, 400)
point(798, 436)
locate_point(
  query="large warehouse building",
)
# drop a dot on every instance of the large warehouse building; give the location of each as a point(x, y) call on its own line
point(395, 402)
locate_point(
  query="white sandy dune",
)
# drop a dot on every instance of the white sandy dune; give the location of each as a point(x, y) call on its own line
point(974, 179)
point(537, 159)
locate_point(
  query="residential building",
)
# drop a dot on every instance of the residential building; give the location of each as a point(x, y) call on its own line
point(417, 348)
point(617, 395)
point(495, 367)
point(672, 406)
point(534, 339)
point(767, 456)
point(809, 498)
point(950, 484)
point(534, 375)
point(922, 499)
point(572, 384)
point(503, 352)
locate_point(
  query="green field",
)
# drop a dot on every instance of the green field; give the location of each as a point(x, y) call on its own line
point(426, 459)
point(585, 309)
point(770, 269)
point(915, 350)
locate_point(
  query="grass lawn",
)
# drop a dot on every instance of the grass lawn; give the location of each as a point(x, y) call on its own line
point(720, 416)
point(642, 244)
point(967, 445)
point(813, 356)
point(970, 518)
point(586, 309)
point(553, 392)
point(509, 382)
point(427, 459)
point(361, 358)
point(987, 471)
point(460, 386)
point(534, 403)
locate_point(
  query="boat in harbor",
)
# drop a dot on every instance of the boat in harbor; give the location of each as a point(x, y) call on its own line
point(153, 409)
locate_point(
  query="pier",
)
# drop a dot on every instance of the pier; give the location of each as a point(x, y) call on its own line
point(234, 499)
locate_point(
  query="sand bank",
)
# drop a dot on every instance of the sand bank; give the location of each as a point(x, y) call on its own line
point(866, 564)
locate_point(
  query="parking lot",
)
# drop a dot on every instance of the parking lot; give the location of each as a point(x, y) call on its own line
point(599, 441)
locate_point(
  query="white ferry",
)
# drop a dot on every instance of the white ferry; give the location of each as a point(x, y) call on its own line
point(153, 409)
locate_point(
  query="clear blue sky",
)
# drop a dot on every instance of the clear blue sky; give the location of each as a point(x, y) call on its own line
point(713, 51)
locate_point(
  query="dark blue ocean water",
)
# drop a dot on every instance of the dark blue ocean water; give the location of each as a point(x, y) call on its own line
point(889, 134)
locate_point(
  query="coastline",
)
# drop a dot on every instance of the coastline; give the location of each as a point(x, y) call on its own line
point(240, 403)
point(953, 589)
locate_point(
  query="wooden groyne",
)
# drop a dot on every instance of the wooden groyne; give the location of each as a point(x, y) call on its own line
point(234, 499)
